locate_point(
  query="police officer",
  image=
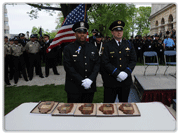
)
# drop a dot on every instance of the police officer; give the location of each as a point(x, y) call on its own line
point(32, 48)
point(51, 57)
point(18, 60)
point(81, 63)
point(7, 54)
point(119, 60)
point(93, 38)
point(23, 41)
point(98, 42)
point(148, 46)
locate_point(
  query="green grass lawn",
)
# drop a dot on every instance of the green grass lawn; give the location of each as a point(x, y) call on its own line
point(14, 96)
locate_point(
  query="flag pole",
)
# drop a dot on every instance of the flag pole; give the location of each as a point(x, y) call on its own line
point(85, 12)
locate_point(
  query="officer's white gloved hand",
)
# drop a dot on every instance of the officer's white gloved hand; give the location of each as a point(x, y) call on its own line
point(86, 83)
point(49, 49)
point(122, 75)
point(119, 79)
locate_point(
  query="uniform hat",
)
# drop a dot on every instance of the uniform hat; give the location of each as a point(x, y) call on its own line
point(11, 39)
point(117, 25)
point(46, 35)
point(81, 26)
point(21, 35)
point(16, 39)
point(94, 31)
point(36, 35)
point(32, 36)
point(5, 37)
point(167, 32)
point(98, 35)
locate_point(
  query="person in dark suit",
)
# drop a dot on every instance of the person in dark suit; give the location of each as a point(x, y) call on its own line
point(51, 57)
point(118, 60)
point(92, 39)
point(81, 63)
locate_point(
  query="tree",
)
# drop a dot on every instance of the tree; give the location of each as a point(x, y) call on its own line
point(100, 16)
point(64, 8)
point(35, 30)
point(142, 20)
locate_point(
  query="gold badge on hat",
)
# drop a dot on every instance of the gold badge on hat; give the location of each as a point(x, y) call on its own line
point(82, 24)
point(119, 22)
point(127, 48)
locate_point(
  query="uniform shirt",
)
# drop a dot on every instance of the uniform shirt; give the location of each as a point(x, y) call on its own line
point(17, 50)
point(168, 42)
point(33, 47)
point(8, 49)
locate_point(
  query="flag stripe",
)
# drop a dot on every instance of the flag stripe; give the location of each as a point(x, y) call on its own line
point(65, 33)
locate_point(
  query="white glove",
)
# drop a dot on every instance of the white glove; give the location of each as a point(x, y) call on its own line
point(119, 79)
point(49, 49)
point(86, 83)
point(122, 75)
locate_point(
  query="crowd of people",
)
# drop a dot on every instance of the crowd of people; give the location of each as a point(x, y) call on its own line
point(22, 55)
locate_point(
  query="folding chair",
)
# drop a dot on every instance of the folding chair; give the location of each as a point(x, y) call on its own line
point(150, 54)
point(169, 53)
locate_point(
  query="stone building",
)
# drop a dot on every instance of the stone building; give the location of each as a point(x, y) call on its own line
point(6, 25)
point(162, 18)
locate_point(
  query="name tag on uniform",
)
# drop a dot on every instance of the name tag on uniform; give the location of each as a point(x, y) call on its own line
point(139, 48)
point(160, 50)
point(74, 55)
point(112, 52)
point(149, 46)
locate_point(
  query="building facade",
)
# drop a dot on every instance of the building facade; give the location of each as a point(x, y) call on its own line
point(162, 18)
point(6, 20)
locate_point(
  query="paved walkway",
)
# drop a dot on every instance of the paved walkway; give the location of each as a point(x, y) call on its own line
point(60, 79)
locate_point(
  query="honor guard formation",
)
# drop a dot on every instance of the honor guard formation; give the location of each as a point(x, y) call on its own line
point(114, 58)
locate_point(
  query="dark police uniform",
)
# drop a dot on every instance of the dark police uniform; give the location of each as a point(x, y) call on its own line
point(51, 58)
point(114, 60)
point(92, 39)
point(80, 62)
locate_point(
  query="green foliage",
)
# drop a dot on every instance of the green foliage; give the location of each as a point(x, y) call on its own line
point(35, 30)
point(100, 16)
point(142, 20)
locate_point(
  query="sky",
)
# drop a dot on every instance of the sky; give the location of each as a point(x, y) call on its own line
point(19, 20)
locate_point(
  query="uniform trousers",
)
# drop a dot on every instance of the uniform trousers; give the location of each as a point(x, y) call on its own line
point(111, 93)
point(19, 65)
point(80, 97)
point(34, 60)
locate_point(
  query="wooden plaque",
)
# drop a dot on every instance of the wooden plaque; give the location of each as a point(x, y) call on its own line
point(106, 109)
point(85, 109)
point(128, 109)
point(44, 107)
point(64, 109)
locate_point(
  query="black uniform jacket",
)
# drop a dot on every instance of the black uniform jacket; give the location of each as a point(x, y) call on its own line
point(116, 59)
point(86, 64)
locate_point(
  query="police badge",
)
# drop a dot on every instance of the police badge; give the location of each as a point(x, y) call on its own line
point(81, 24)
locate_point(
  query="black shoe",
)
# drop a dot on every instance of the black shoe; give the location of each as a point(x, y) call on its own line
point(8, 83)
point(41, 76)
point(30, 79)
point(56, 74)
point(47, 75)
point(26, 80)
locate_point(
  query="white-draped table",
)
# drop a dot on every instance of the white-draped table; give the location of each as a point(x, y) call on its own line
point(154, 116)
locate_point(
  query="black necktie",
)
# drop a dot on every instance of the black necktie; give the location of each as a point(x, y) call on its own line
point(119, 43)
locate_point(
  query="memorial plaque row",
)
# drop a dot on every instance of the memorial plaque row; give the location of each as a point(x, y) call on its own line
point(86, 109)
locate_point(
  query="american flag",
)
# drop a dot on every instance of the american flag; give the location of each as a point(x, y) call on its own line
point(65, 33)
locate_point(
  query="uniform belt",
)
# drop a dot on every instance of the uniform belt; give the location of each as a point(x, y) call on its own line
point(34, 53)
